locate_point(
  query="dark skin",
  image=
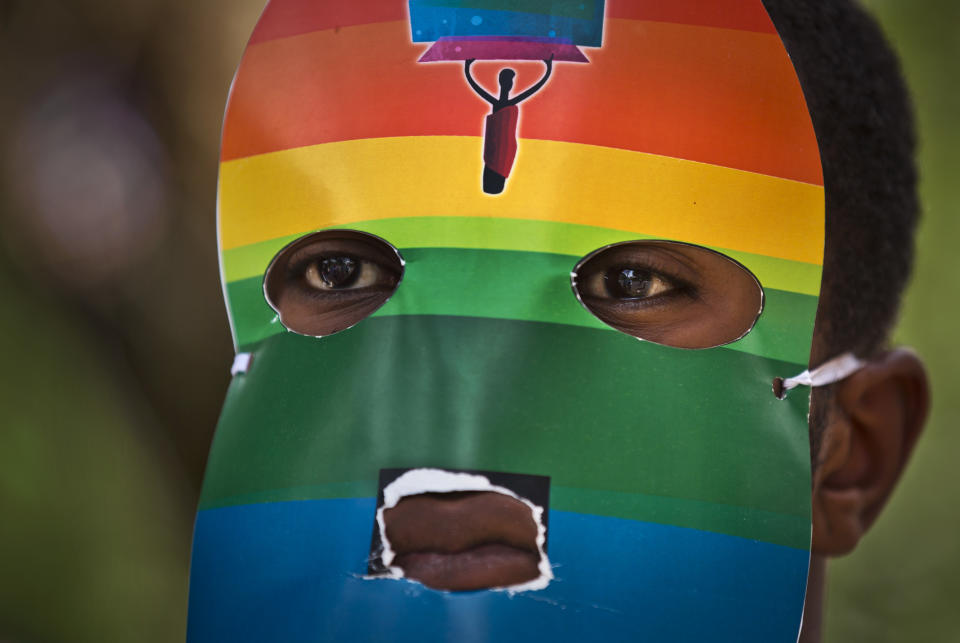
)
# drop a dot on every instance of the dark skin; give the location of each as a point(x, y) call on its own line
point(874, 418)
point(674, 294)
point(505, 79)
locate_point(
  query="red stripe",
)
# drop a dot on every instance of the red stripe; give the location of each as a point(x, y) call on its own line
point(709, 95)
point(284, 18)
point(743, 15)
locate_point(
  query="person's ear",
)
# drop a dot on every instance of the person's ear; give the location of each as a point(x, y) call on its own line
point(876, 416)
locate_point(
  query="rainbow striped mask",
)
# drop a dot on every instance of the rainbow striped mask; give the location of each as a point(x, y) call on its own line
point(570, 283)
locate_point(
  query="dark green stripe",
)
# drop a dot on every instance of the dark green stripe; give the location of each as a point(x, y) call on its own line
point(745, 522)
point(525, 286)
point(642, 431)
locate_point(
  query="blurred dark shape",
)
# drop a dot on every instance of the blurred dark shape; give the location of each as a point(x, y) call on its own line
point(113, 337)
point(88, 171)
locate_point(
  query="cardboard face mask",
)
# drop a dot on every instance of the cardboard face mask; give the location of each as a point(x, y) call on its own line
point(510, 283)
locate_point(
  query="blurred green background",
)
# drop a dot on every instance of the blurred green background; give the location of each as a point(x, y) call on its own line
point(116, 349)
point(903, 582)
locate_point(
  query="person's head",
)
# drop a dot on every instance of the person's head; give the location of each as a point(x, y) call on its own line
point(446, 345)
point(862, 429)
point(505, 80)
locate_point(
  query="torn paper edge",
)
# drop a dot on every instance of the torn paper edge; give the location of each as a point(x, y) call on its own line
point(417, 481)
point(241, 363)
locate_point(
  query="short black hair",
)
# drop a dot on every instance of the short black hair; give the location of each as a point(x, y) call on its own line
point(863, 119)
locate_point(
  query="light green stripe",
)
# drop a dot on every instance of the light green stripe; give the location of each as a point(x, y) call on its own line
point(523, 286)
point(516, 234)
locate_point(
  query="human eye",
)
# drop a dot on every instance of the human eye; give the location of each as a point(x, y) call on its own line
point(636, 283)
point(328, 281)
point(669, 293)
point(328, 273)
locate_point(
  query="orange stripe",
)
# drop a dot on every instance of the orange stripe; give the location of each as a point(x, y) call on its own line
point(716, 96)
point(295, 17)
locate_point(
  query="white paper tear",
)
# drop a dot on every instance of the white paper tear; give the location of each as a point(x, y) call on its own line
point(417, 481)
point(829, 372)
point(241, 363)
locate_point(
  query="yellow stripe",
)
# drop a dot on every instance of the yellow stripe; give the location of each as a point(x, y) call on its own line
point(294, 191)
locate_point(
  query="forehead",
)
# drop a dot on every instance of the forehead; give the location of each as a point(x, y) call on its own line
point(686, 124)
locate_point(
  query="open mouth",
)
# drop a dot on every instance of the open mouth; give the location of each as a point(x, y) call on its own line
point(458, 532)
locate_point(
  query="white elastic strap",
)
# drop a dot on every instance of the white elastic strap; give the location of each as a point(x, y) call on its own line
point(241, 363)
point(829, 372)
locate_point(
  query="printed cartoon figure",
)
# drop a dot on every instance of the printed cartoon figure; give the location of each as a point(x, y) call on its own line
point(535, 30)
point(500, 131)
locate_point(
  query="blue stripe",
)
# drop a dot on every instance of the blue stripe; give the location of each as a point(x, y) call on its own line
point(430, 23)
point(293, 571)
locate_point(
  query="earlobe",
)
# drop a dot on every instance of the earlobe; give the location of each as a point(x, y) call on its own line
point(876, 417)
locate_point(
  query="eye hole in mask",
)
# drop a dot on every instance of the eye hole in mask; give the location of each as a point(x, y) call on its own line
point(328, 281)
point(669, 293)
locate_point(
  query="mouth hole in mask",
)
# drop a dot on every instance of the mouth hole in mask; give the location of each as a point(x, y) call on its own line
point(670, 293)
point(457, 531)
point(330, 280)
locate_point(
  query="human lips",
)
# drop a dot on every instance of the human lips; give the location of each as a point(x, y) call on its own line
point(464, 540)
